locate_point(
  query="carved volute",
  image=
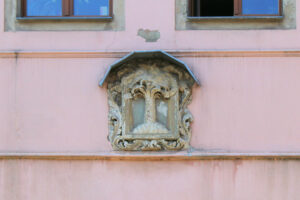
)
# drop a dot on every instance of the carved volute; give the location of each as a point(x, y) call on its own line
point(148, 94)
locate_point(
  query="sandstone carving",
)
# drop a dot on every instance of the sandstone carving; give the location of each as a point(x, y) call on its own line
point(148, 98)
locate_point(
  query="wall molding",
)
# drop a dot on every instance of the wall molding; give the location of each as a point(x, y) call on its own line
point(151, 156)
point(176, 53)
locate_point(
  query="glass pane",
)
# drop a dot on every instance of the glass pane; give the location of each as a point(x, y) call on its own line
point(162, 112)
point(260, 7)
point(138, 111)
point(44, 7)
point(91, 7)
point(216, 8)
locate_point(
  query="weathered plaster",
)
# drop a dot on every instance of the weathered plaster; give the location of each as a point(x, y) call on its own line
point(14, 23)
point(236, 23)
point(149, 35)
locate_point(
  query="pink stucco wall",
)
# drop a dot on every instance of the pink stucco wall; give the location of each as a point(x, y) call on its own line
point(244, 104)
point(153, 15)
point(105, 180)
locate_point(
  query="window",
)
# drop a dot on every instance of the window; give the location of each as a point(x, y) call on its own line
point(218, 8)
point(67, 8)
point(64, 15)
point(235, 14)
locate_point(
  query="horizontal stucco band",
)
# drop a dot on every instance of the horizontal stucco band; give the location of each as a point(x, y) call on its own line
point(149, 156)
point(176, 53)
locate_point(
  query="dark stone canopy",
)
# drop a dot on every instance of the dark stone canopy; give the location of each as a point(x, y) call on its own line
point(156, 54)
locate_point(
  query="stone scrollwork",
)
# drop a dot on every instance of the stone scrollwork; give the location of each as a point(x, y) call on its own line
point(148, 99)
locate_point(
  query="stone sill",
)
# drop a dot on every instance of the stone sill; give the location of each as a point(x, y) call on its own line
point(236, 18)
point(63, 19)
point(152, 156)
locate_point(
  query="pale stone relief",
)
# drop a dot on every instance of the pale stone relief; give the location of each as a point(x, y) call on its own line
point(148, 100)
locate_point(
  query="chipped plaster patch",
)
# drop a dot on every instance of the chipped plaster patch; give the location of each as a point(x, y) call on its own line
point(149, 35)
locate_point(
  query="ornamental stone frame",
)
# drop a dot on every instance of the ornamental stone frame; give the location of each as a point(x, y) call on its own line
point(148, 94)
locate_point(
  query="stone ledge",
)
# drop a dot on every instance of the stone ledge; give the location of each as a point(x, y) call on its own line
point(152, 156)
point(176, 53)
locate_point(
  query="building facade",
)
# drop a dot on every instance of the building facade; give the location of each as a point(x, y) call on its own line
point(54, 116)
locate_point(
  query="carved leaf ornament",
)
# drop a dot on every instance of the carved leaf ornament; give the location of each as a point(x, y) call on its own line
point(148, 95)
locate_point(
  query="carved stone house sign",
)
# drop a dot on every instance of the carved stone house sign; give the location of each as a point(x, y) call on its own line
point(148, 94)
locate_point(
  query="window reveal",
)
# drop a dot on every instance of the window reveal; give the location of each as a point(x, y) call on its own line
point(66, 8)
point(209, 8)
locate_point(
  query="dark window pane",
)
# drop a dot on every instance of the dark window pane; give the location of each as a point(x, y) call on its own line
point(214, 8)
point(260, 7)
point(91, 7)
point(44, 7)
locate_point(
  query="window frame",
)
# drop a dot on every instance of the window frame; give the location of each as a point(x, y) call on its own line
point(67, 11)
point(237, 10)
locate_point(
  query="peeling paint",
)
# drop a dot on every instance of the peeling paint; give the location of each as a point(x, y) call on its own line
point(149, 35)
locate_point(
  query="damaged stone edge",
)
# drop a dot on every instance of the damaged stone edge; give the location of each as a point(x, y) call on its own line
point(157, 156)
